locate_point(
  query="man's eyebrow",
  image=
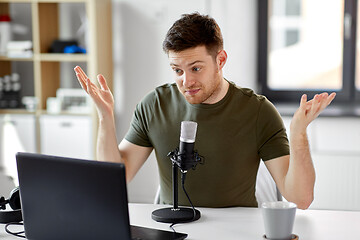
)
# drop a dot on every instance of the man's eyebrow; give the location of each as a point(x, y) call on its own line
point(190, 64)
point(197, 61)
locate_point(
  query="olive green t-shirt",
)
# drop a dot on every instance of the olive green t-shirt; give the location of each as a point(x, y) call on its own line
point(232, 136)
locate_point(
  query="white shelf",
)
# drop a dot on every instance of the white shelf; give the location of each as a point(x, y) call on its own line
point(47, 68)
point(61, 57)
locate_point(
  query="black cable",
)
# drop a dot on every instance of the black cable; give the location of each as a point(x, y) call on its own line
point(172, 227)
point(17, 234)
point(183, 176)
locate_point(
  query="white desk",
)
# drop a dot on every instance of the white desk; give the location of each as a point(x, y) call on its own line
point(247, 223)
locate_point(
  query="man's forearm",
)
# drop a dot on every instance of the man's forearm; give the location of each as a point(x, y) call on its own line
point(300, 178)
point(107, 146)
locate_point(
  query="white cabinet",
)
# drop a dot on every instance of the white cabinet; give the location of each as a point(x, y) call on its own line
point(68, 136)
point(335, 150)
point(18, 134)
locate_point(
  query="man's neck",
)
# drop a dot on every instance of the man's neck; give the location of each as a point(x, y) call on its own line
point(219, 93)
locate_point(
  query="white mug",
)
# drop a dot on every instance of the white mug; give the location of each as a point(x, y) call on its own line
point(278, 219)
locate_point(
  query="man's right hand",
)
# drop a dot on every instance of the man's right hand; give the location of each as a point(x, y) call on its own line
point(102, 96)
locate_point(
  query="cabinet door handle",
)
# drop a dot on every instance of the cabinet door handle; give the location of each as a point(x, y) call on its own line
point(66, 124)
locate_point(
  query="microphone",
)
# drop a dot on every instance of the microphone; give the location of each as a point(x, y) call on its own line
point(186, 147)
point(183, 158)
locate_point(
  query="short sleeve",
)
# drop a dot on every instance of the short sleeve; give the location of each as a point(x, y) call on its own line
point(272, 139)
point(139, 126)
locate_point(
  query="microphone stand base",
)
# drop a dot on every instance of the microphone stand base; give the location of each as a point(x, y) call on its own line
point(179, 215)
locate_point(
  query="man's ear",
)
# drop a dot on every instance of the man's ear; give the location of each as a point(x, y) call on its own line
point(221, 59)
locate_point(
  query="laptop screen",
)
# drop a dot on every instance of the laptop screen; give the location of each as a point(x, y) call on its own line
point(65, 198)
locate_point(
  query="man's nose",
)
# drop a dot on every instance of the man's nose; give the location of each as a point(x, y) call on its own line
point(188, 80)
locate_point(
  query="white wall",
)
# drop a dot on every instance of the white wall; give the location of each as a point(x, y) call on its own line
point(139, 27)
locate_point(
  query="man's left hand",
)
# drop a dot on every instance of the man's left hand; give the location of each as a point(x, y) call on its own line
point(309, 110)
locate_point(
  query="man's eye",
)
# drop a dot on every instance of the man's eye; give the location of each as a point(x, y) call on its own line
point(177, 71)
point(196, 69)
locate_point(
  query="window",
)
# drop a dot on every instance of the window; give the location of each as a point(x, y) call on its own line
point(309, 47)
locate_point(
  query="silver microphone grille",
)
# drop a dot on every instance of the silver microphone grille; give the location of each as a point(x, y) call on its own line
point(188, 131)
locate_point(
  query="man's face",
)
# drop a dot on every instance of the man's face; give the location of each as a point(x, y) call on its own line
point(197, 75)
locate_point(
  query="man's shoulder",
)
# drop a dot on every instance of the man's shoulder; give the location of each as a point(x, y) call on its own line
point(248, 93)
point(166, 88)
point(256, 102)
point(161, 93)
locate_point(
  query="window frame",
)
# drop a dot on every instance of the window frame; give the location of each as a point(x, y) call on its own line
point(347, 95)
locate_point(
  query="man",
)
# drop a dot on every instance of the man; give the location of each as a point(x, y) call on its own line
point(236, 127)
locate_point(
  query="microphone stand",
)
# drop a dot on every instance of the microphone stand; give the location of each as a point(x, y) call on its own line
point(175, 214)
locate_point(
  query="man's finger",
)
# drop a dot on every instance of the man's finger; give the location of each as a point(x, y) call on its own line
point(319, 104)
point(331, 97)
point(81, 76)
point(81, 72)
point(90, 88)
point(303, 101)
point(81, 81)
point(327, 100)
point(102, 82)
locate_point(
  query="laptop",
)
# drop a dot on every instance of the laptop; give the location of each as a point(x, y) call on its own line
point(68, 198)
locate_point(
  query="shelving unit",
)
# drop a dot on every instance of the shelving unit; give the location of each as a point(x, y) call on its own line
point(47, 66)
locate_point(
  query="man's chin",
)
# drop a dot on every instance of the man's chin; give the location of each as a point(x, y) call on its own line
point(193, 100)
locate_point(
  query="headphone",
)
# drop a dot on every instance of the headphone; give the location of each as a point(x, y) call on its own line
point(14, 202)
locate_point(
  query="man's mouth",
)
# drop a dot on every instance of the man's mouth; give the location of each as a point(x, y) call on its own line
point(192, 91)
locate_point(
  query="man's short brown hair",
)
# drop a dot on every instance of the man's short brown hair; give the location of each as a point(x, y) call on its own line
point(193, 30)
